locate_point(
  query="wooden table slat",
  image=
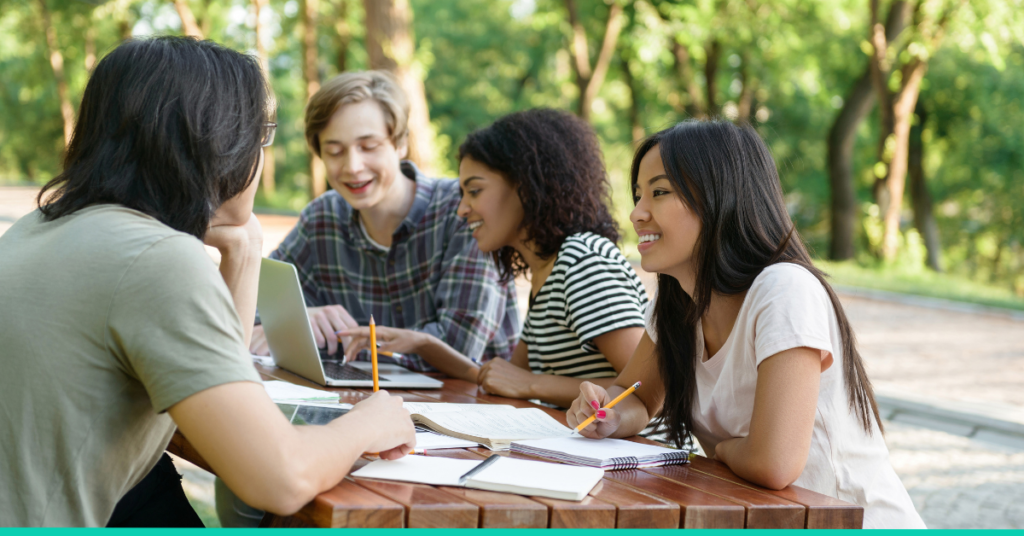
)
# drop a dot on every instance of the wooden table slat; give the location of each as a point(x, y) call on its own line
point(426, 506)
point(763, 511)
point(823, 512)
point(698, 509)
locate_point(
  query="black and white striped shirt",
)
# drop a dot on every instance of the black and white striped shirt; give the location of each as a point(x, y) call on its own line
point(592, 290)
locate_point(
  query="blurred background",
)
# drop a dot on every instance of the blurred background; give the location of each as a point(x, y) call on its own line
point(896, 126)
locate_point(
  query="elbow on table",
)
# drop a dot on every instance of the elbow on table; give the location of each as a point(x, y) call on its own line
point(777, 475)
point(288, 496)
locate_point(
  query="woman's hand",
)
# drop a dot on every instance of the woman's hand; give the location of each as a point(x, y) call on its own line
point(591, 400)
point(402, 341)
point(326, 322)
point(394, 433)
point(499, 377)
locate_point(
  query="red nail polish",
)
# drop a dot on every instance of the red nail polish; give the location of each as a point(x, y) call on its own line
point(594, 403)
point(601, 414)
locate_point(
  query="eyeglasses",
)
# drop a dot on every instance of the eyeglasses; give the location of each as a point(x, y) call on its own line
point(268, 136)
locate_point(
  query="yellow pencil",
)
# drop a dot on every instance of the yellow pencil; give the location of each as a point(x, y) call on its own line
point(617, 399)
point(373, 353)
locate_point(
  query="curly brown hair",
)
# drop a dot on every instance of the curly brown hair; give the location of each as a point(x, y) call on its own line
point(553, 160)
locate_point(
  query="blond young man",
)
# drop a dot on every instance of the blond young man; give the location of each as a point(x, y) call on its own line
point(387, 242)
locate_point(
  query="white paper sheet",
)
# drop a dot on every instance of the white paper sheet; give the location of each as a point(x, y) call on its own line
point(283, 391)
point(430, 440)
point(419, 469)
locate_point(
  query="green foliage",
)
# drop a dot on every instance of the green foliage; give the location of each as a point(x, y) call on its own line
point(482, 59)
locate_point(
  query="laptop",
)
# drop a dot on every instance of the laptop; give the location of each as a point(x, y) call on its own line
point(291, 342)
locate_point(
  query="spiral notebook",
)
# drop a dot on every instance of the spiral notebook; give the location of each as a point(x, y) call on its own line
point(607, 454)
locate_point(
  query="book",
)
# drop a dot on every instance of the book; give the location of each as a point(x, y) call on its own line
point(432, 440)
point(607, 454)
point(491, 425)
point(522, 477)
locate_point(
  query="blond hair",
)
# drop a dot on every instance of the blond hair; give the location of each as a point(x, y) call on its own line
point(348, 88)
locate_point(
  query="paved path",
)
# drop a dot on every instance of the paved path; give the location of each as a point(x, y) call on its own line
point(956, 482)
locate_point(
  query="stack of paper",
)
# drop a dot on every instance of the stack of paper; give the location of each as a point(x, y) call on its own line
point(523, 477)
point(607, 454)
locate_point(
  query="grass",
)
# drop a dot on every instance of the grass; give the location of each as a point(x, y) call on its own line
point(921, 282)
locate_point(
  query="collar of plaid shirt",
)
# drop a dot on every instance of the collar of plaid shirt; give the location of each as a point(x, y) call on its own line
point(425, 186)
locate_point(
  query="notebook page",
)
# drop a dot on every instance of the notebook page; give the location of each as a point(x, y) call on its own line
point(431, 408)
point(530, 423)
point(430, 440)
point(419, 469)
point(598, 449)
point(528, 475)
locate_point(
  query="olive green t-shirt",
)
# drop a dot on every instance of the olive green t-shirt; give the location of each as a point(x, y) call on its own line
point(107, 318)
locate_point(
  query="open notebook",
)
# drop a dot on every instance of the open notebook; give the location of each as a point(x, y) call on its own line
point(493, 426)
point(523, 477)
point(607, 454)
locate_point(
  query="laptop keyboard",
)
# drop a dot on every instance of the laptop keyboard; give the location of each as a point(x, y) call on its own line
point(337, 371)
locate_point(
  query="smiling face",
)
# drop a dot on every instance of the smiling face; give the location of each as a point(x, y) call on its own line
point(490, 205)
point(667, 227)
point(361, 160)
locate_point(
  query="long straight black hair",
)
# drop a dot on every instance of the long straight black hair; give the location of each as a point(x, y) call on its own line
point(726, 175)
point(171, 127)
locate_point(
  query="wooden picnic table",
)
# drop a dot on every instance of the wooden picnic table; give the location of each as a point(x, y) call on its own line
point(702, 494)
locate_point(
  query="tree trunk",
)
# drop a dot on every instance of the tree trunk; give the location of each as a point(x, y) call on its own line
point(90, 48)
point(189, 26)
point(636, 126)
point(921, 198)
point(712, 51)
point(589, 79)
point(269, 162)
point(841, 138)
point(311, 74)
point(746, 100)
point(342, 34)
point(903, 113)
point(67, 111)
point(390, 45)
point(694, 100)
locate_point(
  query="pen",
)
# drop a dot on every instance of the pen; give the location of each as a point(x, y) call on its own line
point(483, 465)
point(617, 399)
point(373, 353)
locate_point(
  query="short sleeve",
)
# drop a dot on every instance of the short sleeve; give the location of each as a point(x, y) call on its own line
point(602, 295)
point(790, 309)
point(173, 325)
point(652, 330)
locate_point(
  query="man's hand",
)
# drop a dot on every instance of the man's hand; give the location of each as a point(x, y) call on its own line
point(395, 434)
point(231, 237)
point(499, 377)
point(328, 320)
point(402, 341)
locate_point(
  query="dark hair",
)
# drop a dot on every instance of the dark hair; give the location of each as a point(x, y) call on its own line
point(170, 127)
point(726, 175)
point(553, 160)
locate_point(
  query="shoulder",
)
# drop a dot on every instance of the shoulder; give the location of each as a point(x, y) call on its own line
point(583, 246)
point(787, 284)
point(330, 205)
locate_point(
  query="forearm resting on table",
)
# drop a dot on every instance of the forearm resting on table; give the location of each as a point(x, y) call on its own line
point(268, 462)
point(562, 390)
point(447, 359)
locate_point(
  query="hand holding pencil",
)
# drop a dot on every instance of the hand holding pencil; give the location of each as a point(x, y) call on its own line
point(593, 406)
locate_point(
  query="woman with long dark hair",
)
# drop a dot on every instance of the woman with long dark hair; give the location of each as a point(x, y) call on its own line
point(747, 346)
point(117, 327)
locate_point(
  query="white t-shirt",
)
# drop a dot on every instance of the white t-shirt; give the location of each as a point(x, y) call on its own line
point(787, 307)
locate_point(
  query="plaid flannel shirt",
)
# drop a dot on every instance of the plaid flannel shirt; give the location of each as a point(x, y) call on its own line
point(433, 279)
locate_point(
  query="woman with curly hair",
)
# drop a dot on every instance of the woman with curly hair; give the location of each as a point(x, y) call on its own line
point(535, 195)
